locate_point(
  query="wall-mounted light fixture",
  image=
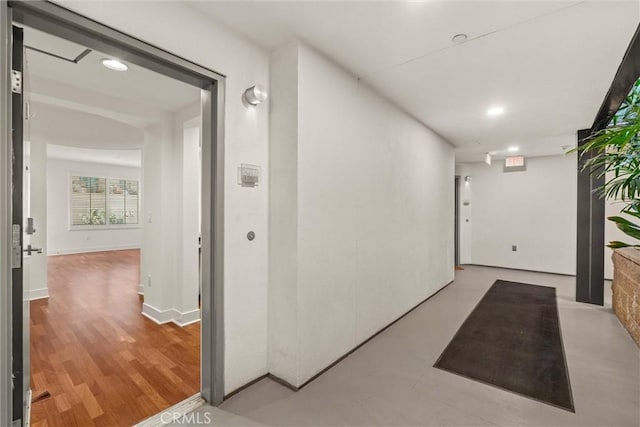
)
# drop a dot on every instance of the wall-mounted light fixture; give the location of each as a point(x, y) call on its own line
point(255, 95)
point(467, 178)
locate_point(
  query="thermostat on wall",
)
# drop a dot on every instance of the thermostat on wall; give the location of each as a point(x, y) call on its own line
point(248, 175)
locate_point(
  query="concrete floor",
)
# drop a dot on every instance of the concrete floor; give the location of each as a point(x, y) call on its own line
point(391, 381)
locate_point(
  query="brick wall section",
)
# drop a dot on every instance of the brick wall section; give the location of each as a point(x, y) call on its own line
point(626, 289)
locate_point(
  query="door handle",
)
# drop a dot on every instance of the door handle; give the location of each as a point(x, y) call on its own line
point(30, 250)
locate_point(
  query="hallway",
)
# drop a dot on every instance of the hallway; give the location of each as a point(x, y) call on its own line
point(288, 173)
point(103, 362)
point(391, 381)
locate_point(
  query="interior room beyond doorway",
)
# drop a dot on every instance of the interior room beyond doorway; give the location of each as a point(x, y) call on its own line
point(100, 360)
point(114, 167)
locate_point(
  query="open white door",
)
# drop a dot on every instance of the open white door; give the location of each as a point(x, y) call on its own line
point(34, 206)
point(19, 301)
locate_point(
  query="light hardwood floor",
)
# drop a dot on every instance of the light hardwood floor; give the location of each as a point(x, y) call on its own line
point(102, 361)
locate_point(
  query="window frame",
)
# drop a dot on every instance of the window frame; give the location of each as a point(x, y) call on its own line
point(106, 225)
point(108, 210)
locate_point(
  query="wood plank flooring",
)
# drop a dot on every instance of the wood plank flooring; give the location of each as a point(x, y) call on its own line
point(102, 361)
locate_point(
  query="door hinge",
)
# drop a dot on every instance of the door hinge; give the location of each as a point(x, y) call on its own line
point(16, 81)
point(16, 246)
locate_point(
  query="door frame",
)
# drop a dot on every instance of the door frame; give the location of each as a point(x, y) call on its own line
point(5, 218)
point(64, 23)
point(456, 221)
point(19, 306)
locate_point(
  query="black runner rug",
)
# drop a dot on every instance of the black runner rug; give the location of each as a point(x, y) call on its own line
point(512, 340)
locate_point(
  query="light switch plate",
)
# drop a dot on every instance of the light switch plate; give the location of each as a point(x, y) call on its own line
point(248, 175)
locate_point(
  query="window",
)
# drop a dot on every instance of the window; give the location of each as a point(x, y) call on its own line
point(102, 202)
point(123, 201)
point(88, 200)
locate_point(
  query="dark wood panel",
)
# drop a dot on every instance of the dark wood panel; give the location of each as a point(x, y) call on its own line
point(626, 75)
point(591, 208)
point(590, 232)
point(102, 361)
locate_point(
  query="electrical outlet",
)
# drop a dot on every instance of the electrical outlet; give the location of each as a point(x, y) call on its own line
point(148, 280)
point(514, 248)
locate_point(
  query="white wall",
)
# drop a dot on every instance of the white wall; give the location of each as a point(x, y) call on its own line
point(558, 171)
point(190, 220)
point(169, 276)
point(372, 217)
point(60, 238)
point(184, 31)
point(283, 220)
point(158, 257)
point(535, 210)
point(59, 125)
point(611, 232)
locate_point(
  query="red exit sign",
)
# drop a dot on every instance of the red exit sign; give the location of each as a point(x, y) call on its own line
point(514, 161)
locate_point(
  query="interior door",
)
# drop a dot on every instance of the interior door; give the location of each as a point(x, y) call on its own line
point(20, 304)
point(34, 277)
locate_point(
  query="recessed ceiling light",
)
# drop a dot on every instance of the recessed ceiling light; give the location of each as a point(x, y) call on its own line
point(459, 38)
point(495, 111)
point(114, 64)
point(512, 149)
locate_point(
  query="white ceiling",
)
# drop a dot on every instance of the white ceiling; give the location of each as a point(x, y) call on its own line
point(136, 85)
point(549, 63)
point(131, 158)
point(112, 107)
point(62, 126)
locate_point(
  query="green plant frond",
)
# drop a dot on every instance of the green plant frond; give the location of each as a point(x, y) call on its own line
point(632, 209)
point(624, 221)
point(615, 244)
point(617, 137)
point(626, 226)
point(625, 188)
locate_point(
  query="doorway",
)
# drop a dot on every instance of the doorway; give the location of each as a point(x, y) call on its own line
point(63, 23)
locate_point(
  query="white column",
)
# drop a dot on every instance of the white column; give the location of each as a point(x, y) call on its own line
point(189, 284)
point(159, 230)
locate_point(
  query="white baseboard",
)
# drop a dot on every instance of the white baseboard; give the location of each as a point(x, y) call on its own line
point(38, 293)
point(171, 315)
point(93, 249)
point(187, 318)
point(159, 316)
